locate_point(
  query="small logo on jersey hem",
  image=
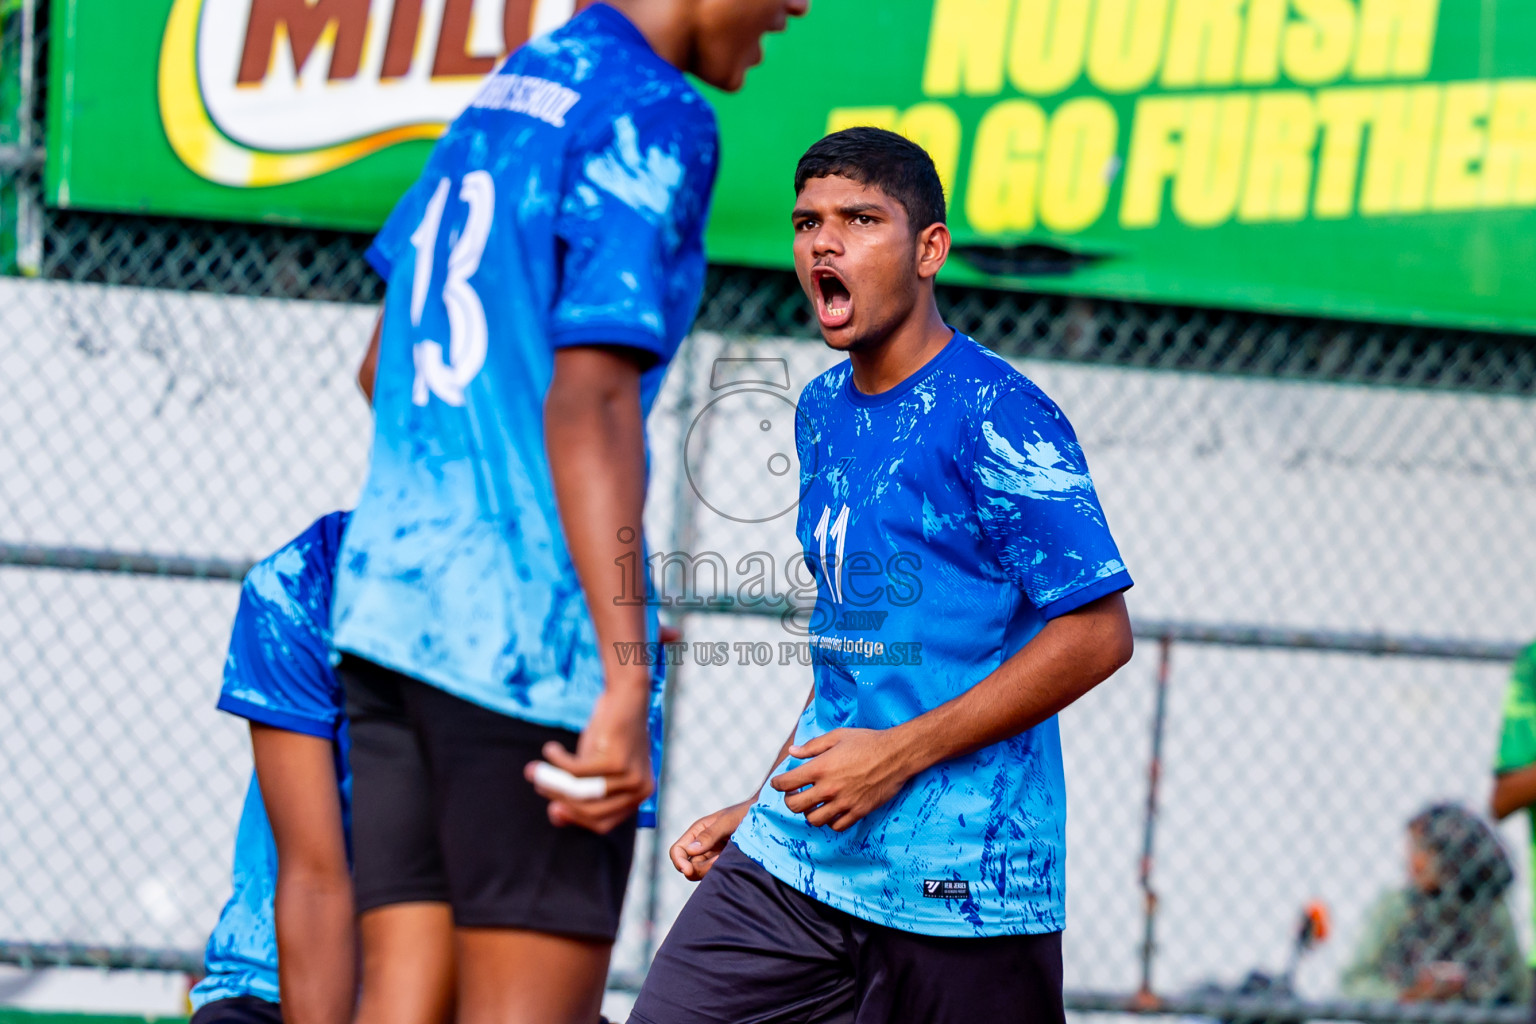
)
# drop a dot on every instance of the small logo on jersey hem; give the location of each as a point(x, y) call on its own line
point(946, 889)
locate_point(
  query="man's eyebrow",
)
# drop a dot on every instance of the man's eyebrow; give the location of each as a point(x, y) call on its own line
point(847, 210)
point(855, 209)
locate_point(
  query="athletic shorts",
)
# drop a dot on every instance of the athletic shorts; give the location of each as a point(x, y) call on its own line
point(748, 949)
point(238, 1010)
point(441, 813)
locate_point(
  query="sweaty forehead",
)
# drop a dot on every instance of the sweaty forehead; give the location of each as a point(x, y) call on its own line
point(835, 190)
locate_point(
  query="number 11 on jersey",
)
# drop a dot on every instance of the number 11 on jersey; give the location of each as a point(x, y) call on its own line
point(838, 532)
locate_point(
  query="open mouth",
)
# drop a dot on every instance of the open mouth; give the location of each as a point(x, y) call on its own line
point(834, 300)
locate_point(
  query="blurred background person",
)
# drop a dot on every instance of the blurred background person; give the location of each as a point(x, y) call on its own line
point(1514, 773)
point(1447, 935)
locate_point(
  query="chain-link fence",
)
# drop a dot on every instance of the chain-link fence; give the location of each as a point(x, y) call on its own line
point(1329, 524)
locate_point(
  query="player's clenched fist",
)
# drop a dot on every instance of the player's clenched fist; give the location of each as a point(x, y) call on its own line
point(696, 851)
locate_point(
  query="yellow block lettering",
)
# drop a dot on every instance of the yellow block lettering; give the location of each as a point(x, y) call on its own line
point(931, 125)
point(1261, 42)
point(1074, 184)
point(1154, 156)
point(1211, 162)
point(1463, 142)
point(1509, 173)
point(965, 48)
point(1344, 114)
point(1005, 168)
point(1202, 43)
point(1398, 157)
point(1280, 158)
point(1317, 48)
point(936, 128)
point(1049, 37)
point(1126, 42)
point(1395, 38)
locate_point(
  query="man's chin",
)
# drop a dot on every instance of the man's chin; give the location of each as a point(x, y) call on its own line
point(725, 78)
point(732, 76)
point(841, 339)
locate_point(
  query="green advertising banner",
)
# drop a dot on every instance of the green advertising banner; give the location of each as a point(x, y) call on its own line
point(11, 140)
point(1359, 158)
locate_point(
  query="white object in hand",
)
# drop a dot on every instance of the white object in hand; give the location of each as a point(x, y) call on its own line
point(577, 787)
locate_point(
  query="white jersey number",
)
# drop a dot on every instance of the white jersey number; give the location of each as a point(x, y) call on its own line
point(448, 378)
point(838, 532)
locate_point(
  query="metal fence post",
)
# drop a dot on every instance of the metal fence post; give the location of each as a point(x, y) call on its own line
point(1144, 993)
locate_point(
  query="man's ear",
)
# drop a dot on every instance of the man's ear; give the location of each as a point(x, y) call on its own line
point(932, 249)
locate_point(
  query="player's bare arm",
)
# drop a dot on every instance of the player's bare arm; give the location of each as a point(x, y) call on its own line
point(313, 902)
point(851, 772)
point(697, 849)
point(368, 369)
point(1512, 791)
point(594, 434)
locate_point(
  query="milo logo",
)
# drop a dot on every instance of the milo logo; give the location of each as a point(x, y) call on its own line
point(266, 92)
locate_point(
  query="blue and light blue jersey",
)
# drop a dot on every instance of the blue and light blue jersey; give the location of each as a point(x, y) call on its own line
point(278, 673)
point(566, 206)
point(946, 520)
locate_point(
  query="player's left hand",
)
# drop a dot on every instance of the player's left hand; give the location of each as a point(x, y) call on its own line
point(850, 772)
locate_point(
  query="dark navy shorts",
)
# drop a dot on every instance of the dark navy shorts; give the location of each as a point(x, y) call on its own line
point(239, 1010)
point(748, 949)
point(441, 813)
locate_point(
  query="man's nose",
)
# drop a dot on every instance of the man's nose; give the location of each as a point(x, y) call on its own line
point(797, 8)
point(826, 240)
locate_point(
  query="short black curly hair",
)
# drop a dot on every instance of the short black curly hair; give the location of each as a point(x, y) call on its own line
point(879, 159)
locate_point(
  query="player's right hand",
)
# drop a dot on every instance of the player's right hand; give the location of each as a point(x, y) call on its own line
point(616, 746)
point(696, 851)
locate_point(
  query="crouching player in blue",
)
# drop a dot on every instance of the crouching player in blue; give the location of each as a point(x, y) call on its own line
point(283, 949)
point(904, 860)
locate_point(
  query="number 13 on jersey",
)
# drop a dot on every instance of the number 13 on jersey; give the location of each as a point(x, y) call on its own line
point(467, 339)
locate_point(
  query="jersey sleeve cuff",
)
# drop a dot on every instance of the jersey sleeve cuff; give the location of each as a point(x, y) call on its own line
point(622, 335)
point(1092, 592)
point(381, 263)
point(276, 717)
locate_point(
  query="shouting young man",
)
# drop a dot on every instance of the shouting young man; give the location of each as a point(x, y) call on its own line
point(542, 273)
point(904, 860)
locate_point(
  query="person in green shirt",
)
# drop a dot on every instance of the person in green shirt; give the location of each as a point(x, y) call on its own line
point(1447, 935)
point(1514, 773)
